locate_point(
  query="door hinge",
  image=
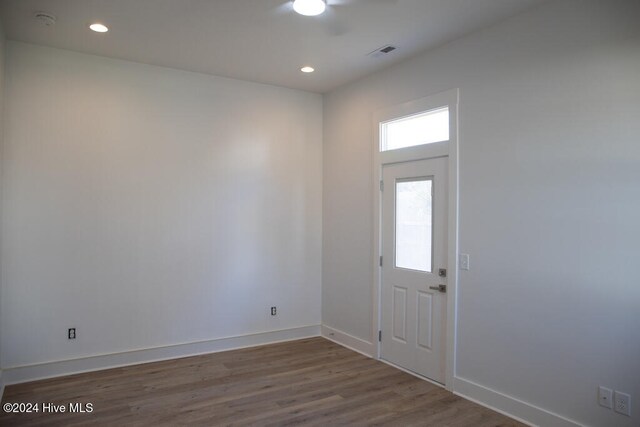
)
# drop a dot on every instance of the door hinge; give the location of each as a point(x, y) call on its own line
point(380, 260)
point(379, 336)
point(381, 185)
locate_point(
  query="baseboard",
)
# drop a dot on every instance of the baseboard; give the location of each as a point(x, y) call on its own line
point(21, 374)
point(522, 411)
point(344, 339)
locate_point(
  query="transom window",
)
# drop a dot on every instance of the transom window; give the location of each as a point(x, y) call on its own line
point(419, 129)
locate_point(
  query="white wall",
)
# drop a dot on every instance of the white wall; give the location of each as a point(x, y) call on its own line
point(148, 207)
point(2, 52)
point(549, 202)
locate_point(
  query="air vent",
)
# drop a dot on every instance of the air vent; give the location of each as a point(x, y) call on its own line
point(45, 18)
point(384, 50)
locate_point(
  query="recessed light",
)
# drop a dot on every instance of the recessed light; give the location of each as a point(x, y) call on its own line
point(99, 28)
point(309, 7)
point(307, 69)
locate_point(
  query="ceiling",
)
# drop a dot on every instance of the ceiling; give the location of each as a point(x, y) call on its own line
point(257, 40)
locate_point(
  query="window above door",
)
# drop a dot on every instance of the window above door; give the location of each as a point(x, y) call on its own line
point(423, 128)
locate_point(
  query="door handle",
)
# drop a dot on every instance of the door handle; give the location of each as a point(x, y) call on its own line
point(439, 288)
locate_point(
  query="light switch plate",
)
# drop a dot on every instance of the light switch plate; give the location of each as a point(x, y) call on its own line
point(605, 397)
point(464, 261)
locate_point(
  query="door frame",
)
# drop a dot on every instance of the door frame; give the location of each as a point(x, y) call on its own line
point(450, 99)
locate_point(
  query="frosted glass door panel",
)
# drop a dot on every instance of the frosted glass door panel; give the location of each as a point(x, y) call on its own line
point(414, 223)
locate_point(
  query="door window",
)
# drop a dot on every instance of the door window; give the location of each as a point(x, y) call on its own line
point(414, 224)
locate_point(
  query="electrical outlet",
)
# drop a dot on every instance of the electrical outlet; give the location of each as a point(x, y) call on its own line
point(273, 311)
point(71, 333)
point(622, 403)
point(605, 397)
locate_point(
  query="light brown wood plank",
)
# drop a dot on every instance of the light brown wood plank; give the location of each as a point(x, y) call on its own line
point(305, 382)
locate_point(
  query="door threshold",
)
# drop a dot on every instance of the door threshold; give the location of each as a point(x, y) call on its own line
point(393, 365)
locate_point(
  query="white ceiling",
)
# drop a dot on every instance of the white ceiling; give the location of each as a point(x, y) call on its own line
point(256, 40)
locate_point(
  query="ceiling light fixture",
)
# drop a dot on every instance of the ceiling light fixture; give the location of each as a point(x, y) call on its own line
point(309, 7)
point(99, 28)
point(307, 69)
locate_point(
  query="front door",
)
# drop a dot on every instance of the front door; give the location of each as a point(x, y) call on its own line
point(414, 250)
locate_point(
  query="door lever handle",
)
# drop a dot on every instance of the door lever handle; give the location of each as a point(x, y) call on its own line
point(439, 288)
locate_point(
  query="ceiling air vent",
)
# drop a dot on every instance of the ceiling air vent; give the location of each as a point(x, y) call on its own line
point(385, 50)
point(45, 18)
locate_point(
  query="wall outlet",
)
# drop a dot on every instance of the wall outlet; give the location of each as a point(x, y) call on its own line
point(622, 403)
point(273, 311)
point(71, 334)
point(464, 261)
point(605, 397)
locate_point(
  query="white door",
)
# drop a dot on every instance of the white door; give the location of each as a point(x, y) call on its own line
point(414, 250)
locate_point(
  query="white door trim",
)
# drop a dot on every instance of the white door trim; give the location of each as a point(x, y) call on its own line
point(449, 148)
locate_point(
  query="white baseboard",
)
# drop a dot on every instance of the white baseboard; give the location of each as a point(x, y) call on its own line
point(21, 374)
point(522, 411)
point(344, 339)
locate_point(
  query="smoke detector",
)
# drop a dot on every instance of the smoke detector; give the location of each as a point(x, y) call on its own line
point(381, 51)
point(45, 18)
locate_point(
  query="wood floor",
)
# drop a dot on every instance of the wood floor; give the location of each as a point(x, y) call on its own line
point(305, 382)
